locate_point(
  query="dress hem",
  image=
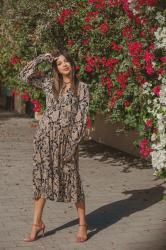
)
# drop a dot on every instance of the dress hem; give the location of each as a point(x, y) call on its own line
point(58, 200)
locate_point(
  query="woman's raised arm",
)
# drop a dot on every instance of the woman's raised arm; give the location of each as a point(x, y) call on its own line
point(27, 73)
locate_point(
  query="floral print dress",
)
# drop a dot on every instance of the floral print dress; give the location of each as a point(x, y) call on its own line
point(60, 130)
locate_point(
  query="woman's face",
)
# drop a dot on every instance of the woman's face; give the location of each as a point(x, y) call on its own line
point(63, 66)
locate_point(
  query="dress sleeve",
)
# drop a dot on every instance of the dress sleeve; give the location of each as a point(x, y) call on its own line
point(78, 128)
point(28, 75)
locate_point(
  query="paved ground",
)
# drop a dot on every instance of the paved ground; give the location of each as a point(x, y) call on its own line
point(125, 206)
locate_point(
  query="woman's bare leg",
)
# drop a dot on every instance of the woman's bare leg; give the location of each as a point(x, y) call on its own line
point(82, 230)
point(38, 211)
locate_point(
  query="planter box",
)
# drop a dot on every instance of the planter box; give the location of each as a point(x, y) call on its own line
point(105, 132)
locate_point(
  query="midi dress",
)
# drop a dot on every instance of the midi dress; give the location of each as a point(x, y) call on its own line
point(58, 134)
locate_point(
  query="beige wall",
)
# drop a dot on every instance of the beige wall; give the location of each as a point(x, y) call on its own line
point(104, 132)
point(17, 105)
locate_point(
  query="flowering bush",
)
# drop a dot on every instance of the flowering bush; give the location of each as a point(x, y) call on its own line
point(120, 49)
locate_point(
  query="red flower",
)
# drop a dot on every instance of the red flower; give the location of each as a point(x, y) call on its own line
point(136, 62)
point(135, 48)
point(104, 27)
point(64, 15)
point(163, 59)
point(148, 56)
point(127, 32)
point(122, 77)
point(126, 103)
point(88, 68)
point(77, 67)
point(25, 96)
point(149, 68)
point(156, 90)
point(148, 2)
point(15, 60)
point(70, 43)
point(119, 92)
point(86, 42)
point(142, 34)
point(37, 105)
point(115, 46)
point(145, 150)
point(91, 61)
point(114, 3)
point(140, 79)
point(89, 122)
point(87, 27)
point(160, 71)
point(87, 19)
point(149, 122)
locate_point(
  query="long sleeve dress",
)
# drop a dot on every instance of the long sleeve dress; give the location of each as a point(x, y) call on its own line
point(60, 130)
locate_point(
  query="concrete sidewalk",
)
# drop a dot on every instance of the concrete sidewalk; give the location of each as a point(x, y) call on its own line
point(125, 206)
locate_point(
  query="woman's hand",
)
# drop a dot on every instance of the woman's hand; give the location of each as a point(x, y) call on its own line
point(50, 57)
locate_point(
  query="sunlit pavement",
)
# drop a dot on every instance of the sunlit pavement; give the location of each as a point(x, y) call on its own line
point(124, 200)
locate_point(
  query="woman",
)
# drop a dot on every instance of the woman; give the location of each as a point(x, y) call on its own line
point(55, 159)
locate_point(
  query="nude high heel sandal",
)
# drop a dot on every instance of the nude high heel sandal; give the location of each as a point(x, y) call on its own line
point(39, 228)
point(82, 239)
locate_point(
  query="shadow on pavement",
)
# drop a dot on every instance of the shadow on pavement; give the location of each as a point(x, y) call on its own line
point(109, 214)
point(104, 153)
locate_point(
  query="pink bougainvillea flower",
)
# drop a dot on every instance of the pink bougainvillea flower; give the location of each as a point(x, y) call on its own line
point(91, 61)
point(156, 90)
point(142, 34)
point(15, 60)
point(144, 142)
point(149, 122)
point(145, 151)
point(104, 27)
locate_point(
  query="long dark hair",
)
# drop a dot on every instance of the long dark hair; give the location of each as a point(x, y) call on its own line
point(57, 78)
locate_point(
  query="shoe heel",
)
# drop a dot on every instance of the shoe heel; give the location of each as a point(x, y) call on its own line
point(43, 231)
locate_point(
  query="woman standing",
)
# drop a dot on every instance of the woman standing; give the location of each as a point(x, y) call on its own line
point(55, 159)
